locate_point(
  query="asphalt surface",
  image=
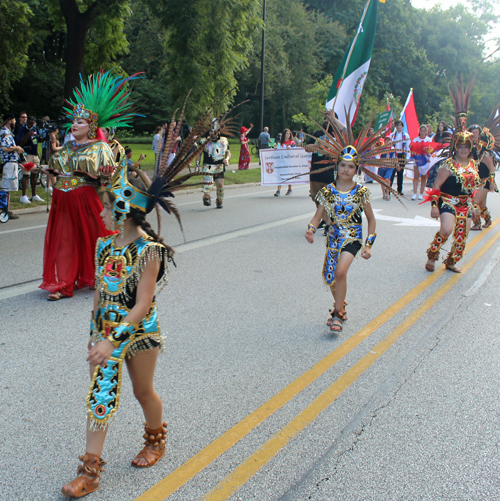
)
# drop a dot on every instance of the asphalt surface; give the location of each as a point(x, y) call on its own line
point(245, 312)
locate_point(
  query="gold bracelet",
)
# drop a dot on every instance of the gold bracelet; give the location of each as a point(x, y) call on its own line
point(312, 228)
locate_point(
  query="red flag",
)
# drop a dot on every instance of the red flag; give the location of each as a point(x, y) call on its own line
point(409, 117)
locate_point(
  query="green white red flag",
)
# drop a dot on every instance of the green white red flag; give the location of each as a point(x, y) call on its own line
point(351, 75)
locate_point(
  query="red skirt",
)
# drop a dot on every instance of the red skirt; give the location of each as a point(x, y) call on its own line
point(72, 232)
point(245, 157)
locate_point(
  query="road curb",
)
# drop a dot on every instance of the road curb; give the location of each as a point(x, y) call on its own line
point(34, 210)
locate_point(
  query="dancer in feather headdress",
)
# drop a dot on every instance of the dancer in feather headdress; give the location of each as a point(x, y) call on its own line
point(131, 269)
point(486, 139)
point(453, 191)
point(343, 202)
point(216, 156)
point(80, 167)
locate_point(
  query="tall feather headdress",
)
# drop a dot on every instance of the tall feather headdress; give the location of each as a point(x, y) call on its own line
point(166, 179)
point(365, 151)
point(103, 100)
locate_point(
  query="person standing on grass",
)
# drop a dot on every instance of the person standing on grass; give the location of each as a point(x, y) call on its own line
point(245, 158)
point(27, 138)
point(9, 157)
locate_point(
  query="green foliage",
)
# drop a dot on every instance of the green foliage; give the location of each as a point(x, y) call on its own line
point(300, 47)
point(214, 48)
point(315, 105)
point(16, 36)
point(207, 43)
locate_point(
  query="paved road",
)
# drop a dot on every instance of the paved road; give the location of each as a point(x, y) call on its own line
point(262, 402)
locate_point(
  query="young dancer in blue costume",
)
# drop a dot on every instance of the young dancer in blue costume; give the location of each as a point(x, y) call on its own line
point(343, 202)
point(131, 269)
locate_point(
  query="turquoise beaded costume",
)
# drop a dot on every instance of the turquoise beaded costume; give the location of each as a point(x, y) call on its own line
point(344, 210)
point(118, 271)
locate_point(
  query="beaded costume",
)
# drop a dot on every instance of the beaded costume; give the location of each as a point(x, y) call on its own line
point(214, 156)
point(456, 196)
point(344, 210)
point(118, 271)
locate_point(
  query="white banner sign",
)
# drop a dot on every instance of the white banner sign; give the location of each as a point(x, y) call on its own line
point(281, 164)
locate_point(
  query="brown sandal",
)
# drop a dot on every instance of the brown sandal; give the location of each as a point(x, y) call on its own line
point(88, 477)
point(55, 296)
point(340, 317)
point(154, 448)
point(330, 318)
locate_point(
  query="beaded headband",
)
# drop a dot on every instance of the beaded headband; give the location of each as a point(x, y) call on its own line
point(80, 112)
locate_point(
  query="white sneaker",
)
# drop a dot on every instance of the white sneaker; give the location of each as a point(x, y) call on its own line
point(414, 197)
point(49, 189)
point(25, 200)
point(420, 197)
point(36, 198)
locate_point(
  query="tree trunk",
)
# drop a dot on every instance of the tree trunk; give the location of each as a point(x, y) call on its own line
point(77, 26)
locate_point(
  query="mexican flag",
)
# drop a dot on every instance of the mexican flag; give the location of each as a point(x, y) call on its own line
point(351, 74)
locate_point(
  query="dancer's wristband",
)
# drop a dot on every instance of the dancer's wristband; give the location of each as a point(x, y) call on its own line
point(312, 228)
point(370, 240)
point(492, 177)
point(122, 332)
point(434, 203)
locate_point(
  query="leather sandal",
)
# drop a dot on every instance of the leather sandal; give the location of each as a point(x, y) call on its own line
point(331, 312)
point(430, 267)
point(154, 446)
point(88, 477)
point(340, 318)
point(55, 296)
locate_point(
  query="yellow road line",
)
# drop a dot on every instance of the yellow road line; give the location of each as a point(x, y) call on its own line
point(220, 445)
point(264, 454)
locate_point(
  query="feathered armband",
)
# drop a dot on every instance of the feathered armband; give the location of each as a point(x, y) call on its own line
point(431, 195)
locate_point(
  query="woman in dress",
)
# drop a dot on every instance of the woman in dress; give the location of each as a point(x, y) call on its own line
point(80, 167)
point(245, 158)
point(286, 141)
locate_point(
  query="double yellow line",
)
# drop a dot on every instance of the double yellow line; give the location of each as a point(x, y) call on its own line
point(264, 454)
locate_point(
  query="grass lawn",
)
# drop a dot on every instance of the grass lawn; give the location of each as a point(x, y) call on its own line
point(148, 162)
point(16, 195)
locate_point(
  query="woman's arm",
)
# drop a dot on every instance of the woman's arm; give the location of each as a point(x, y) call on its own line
point(144, 298)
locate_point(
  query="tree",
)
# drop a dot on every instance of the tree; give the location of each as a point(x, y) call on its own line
point(208, 42)
point(16, 36)
point(301, 47)
point(80, 16)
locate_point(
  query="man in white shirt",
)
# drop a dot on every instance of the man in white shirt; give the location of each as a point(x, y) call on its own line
point(401, 141)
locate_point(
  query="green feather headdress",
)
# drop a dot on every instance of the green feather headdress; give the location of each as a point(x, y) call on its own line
point(103, 101)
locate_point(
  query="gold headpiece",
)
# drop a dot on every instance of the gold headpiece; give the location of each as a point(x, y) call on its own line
point(80, 112)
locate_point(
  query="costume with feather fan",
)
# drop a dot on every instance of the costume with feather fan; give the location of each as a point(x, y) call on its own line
point(455, 195)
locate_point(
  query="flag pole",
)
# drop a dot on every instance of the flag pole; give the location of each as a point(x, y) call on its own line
point(332, 113)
